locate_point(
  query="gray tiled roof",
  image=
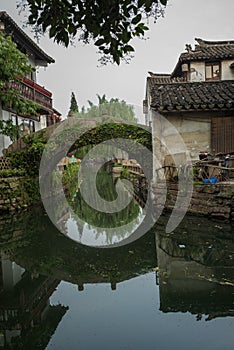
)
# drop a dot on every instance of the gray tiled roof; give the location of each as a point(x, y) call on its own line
point(205, 51)
point(195, 96)
point(209, 50)
point(164, 78)
point(14, 28)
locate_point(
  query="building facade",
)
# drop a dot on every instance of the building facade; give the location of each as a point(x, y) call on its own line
point(195, 102)
point(28, 88)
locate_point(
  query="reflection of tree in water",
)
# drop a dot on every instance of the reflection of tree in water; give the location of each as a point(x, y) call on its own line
point(98, 220)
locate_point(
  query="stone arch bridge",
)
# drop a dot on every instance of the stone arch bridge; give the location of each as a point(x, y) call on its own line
point(90, 131)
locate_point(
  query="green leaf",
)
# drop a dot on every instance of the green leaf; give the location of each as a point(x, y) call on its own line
point(52, 32)
point(142, 26)
point(141, 3)
point(128, 48)
point(126, 36)
point(93, 19)
point(136, 19)
point(66, 39)
point(99, 42)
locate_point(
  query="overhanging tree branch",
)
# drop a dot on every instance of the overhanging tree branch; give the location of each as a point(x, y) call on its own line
point(111, 24)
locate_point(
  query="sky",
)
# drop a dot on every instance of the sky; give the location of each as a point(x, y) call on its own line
point(77, 69)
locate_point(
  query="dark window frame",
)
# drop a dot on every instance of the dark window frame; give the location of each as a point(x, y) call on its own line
point(213, 76)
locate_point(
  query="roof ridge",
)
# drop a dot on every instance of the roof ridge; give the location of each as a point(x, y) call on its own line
point(203, 42)
point(173, 82)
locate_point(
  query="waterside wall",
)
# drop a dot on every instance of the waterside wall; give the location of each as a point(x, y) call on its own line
point(17, 193)
point(210, 200)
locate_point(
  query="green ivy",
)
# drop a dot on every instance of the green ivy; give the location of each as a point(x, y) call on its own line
point(11, 173)
point(70, 178)
point(28, 159)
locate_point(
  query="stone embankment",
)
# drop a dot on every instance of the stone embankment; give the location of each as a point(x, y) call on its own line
point(210, 200)
point(17, 193)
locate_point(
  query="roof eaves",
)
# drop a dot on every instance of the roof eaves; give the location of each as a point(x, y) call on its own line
point(4, 16)
point(195, 96)
point(177, 67)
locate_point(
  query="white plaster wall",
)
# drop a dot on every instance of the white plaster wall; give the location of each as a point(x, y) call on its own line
point(31, 61)
point(148, 118)
point(226, 71)
point(184, 135)
point(195, 132)
point(37, 126)
point(197, 71)
point(166, 141)
point(43, 121)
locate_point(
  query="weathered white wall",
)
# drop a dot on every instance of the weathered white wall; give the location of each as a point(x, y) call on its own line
point(43, 123)
point(226, 72)
point(32, 62)
point(195, 131)
point(197, 71)
point(183, 136)
point(148, 114)
point(37, 125)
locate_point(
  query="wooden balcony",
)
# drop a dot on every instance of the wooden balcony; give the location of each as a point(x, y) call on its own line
point(36, 93)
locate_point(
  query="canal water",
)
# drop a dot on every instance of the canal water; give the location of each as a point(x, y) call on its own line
point(162, 291)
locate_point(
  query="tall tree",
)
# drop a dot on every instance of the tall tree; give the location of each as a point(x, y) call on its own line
point(101, 99)
point(110, 24)
point(114, 108)
point(73, 106)
point(13, 67)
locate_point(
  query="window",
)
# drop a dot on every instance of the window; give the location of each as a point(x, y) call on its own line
point(26, 126)
point(14, 119)
point(212, 71)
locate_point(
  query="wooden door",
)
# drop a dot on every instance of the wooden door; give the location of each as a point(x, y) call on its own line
point(222, 135)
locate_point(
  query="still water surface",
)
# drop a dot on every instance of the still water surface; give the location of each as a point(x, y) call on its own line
point(160, 292)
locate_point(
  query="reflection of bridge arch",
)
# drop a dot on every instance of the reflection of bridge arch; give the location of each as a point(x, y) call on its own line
point(56, 255)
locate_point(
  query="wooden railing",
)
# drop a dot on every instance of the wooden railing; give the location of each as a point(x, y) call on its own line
point(133, 168)
point(33, 92)
point(201, 171)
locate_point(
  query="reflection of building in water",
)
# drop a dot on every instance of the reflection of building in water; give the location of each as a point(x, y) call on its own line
point(24, 304)
point(187, 282)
